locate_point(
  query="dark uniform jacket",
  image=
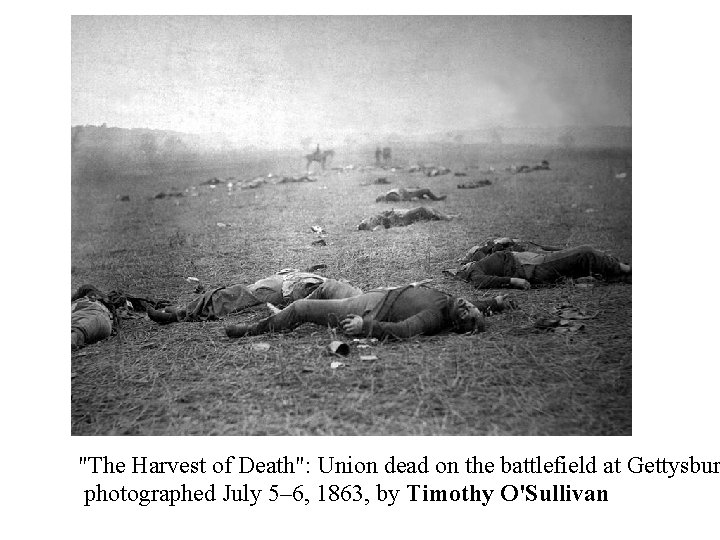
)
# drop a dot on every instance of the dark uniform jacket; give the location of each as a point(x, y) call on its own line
point(494, 271)
point(409, 311)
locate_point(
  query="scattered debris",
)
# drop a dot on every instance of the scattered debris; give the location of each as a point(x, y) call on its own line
point(365, 341)
point(586, 282)
point(572, 313)
point(566, 320)
point(546, 323)
point(335, 365)
point(192, 279)
point(368, 357)
point(339, 347)
point(260, 347)
point(317, 229)
point(569, 327)
point(558, 325)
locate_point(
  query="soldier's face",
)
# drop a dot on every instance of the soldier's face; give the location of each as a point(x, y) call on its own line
point(468, 317)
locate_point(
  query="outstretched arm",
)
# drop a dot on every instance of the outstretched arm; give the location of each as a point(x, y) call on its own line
point(519, 283)
point(427, 322)
point(484, 281)
point(495, 305)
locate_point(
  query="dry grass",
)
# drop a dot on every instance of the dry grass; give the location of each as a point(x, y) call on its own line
point(190, 379)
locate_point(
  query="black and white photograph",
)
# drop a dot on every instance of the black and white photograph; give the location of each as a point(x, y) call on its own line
point(361, 225)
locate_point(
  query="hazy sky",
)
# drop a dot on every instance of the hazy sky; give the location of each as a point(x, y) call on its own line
point(275, 80)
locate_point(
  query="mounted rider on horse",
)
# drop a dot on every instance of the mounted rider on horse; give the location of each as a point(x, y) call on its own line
point(320, 157)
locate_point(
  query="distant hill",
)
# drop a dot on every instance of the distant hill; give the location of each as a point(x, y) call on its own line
point(600, 137)
point(145, 145)
point(100, 152)
point(143, 141)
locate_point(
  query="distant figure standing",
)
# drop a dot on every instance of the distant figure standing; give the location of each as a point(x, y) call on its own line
point(386, 154)
point(378, 155)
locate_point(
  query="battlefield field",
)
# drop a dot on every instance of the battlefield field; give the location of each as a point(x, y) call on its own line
point(190, 379)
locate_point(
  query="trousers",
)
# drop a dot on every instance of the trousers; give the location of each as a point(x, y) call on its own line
point(90, 322)
point(224, 301)
point(321, 312)
point(573, 263)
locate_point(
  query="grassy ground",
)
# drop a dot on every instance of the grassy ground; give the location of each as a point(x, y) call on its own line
point(189, 378)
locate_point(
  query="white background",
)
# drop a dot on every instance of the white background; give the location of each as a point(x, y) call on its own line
point(675, 373)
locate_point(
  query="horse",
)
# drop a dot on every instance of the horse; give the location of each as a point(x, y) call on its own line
point(320, 157)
